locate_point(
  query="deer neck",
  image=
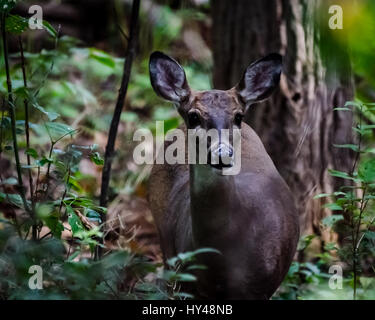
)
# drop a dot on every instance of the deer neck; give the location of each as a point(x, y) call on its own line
point(210, 194)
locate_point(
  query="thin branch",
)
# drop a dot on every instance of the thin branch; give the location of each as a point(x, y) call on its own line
point(51, 67)
point(355, 233)
point(109, 152)
point(46, 235)
point(53, 144)
point(37, 184)
point(364, 233)
point(116, 18)
point(2, 124)
point(12, 113)
point(65, 190)
point(27, 133)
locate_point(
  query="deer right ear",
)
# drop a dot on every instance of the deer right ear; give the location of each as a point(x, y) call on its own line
point(260, 79)
point(168, 78)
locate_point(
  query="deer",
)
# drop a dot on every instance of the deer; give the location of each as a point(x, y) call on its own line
point(251, 217)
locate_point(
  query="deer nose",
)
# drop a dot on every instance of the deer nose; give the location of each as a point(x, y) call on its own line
point(224, 151)
point(221, 155)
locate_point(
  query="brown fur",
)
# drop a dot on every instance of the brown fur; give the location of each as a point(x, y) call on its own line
point(251, 218)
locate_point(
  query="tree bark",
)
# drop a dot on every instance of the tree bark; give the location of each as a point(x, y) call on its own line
point(297, 125)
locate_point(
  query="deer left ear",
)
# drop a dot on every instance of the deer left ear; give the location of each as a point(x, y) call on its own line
point(168, 78)
point(260, 79)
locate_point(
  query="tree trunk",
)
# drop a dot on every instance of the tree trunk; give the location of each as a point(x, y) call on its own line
point(297, 125)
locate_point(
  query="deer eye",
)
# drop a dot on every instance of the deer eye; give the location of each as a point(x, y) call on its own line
point(238, 119)
point(193, 119)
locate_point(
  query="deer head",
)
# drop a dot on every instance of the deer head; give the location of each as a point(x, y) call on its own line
point(215, 109)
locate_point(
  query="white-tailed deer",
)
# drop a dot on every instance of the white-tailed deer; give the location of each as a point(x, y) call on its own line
point(249, 217)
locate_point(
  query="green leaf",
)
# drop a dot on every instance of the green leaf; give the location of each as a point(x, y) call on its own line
point(129, 116)
point(196, 267)
point(93, 215)
point(347, 146)
point(12, 198)
point(353, 104)
point(342, 109)
point(170, 275)
point(43, 161)
point(294, 268)
point(57, 130)
point(102, 57)
point(370, 235)
point(7, 5)
point(185, 277)
point(367, 170)
point(333, 206)
point(73, 256)
point(16, 24)
point(51, 218)
point(305, 241)
point(340, 174)
point(97, 159)
point(52, 116)
point(329, 221)
point(323, 195)
point(32, 153)
point(329, 246)
point(368, 126)
point(74, 221)
point(48, 27)
point(116, 259)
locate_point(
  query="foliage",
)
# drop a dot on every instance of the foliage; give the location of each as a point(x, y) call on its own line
point(70, 93)
point(67, 277)
point(354, 222)
point(58, 226)
point(355, 200)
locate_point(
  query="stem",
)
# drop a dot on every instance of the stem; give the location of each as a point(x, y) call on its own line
point(65, 191)
point(1, 125)
point(13, 116)
point(120, 102)
point(359, 145)
point(27, 133)
point(49, 164)
point(37, 184)
point(109, 152)
point(53, 144)
point(356, 227)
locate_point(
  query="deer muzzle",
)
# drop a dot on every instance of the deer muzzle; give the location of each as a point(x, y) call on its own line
point(220, 155)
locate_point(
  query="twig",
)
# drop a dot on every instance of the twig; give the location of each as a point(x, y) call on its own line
point(1, 125)
point(120, 102)
point(37, 184)
point(65, 191)
point(364, 233)
point(51, 67)
point(116, 18)
point(12, 113)
point(53, 144)
point(27, 133)
point(355, 228)
point(109, 152)
point(46, 235)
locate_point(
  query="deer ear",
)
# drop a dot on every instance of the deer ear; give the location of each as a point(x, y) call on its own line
point(168, 78)
point(260, 79)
